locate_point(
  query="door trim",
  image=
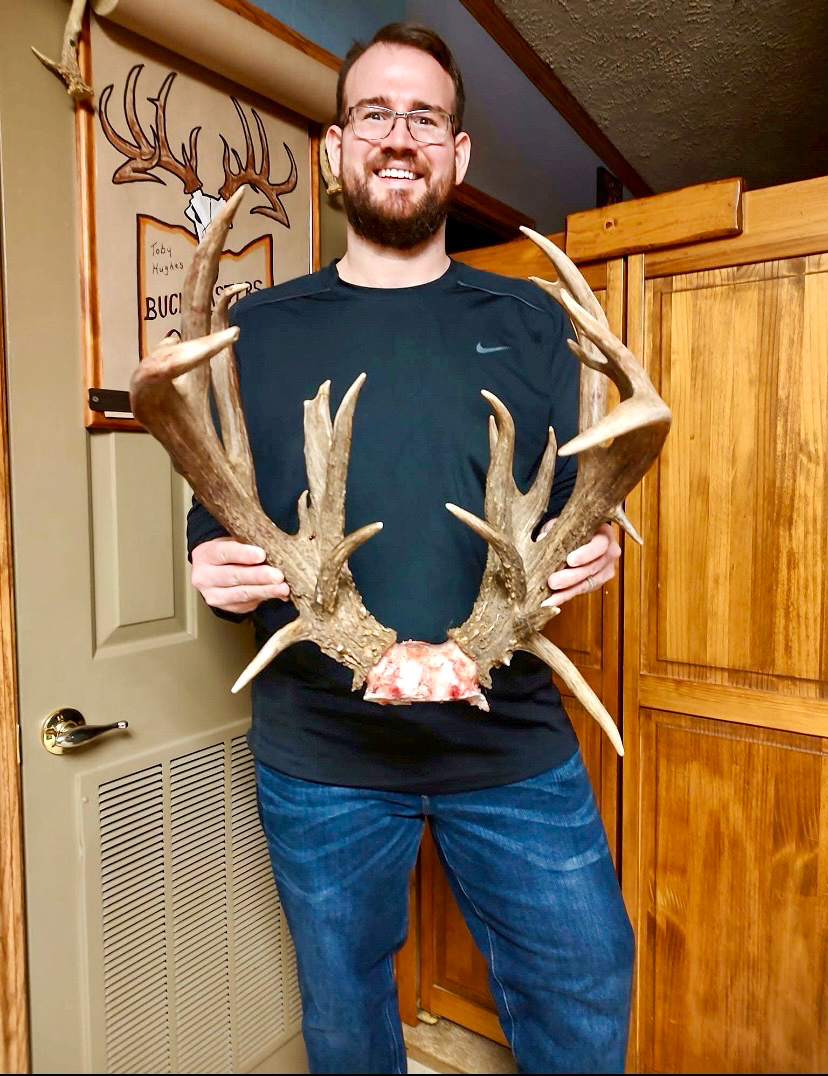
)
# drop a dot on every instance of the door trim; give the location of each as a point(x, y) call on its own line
point(14, 992)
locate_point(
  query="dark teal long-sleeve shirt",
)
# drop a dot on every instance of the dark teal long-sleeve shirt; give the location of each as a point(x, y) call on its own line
point(419, 440)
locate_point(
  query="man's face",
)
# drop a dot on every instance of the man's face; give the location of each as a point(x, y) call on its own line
point(397, 211)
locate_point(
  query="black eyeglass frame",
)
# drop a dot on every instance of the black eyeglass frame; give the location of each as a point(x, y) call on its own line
point(407, 117)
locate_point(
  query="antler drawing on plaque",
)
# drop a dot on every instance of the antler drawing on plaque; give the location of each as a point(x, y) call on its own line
point(144, 154)
point(514, 604)
point(170, 396)
point(148, 154)
point(259, 178)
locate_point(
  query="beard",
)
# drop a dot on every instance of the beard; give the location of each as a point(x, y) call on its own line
point(396, 222)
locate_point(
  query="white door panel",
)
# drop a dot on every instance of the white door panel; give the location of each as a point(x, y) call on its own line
point(156, 940)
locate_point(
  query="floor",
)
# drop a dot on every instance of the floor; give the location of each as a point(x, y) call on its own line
point(447, 1047)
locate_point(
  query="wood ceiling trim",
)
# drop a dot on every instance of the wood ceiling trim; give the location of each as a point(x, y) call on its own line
point(495, 23)
point(267, 22)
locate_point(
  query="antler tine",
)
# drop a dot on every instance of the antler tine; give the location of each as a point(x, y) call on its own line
point(67, 70)
point(185, 169)
point(294, 632)
point(593, 395)
point(332, 511)
point(318, 433)
point(511, 563)
point(641, 407)
point(142, 155)
point(500, 481)
point(225, 378)
point(507, 617)
point(169, 395)
point(558, 662)
point(197, 293)
point(567, 271)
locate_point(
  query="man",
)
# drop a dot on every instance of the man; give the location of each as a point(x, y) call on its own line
point(344, 785)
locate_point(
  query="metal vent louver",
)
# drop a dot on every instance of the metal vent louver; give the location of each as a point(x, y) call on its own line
point(197, 969)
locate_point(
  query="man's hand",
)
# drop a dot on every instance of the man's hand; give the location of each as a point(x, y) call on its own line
point(590, 565)
point(233, 577)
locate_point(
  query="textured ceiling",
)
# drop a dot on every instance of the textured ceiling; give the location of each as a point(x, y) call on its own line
point(694, 90)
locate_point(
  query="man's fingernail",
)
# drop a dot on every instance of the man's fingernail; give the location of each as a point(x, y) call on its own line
point(555, 580)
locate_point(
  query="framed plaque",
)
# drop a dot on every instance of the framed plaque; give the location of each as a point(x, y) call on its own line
point(162, 145)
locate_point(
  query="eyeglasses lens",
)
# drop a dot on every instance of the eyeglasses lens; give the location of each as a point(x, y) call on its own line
point(373, 123)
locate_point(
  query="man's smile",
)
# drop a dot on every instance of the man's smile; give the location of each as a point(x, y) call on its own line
point(397, 173)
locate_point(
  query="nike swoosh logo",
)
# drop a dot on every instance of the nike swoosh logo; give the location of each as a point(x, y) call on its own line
point(486, 350)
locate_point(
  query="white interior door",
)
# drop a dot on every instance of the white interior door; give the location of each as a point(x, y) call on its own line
point(156, 939)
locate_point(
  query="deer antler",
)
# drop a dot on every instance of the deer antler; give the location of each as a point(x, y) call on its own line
point(257, 177)
point(170, 396)
point(67, 70)
point(513, 604)
point(143, 154)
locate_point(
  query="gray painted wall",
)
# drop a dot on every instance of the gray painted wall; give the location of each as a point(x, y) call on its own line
point(522, 151)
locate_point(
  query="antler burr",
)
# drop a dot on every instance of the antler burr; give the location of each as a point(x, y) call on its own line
point(170, 395)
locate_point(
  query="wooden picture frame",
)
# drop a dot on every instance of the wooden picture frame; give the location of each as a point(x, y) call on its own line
point(255, 142)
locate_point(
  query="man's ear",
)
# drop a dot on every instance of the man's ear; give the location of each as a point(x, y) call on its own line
point(462, 152)
point(333, 145)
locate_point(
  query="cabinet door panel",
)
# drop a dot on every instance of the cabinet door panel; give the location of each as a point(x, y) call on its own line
point(725, 813)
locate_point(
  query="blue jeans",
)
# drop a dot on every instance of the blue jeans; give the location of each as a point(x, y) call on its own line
point(530, 868)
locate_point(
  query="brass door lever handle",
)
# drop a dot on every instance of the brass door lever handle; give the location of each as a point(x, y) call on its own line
point(66, 730)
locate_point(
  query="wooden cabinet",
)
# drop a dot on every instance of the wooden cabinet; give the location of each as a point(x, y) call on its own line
point(725, 796)
point(718, 623)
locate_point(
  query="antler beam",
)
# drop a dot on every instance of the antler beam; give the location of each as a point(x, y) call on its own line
point(170, 396)
point(616, 452)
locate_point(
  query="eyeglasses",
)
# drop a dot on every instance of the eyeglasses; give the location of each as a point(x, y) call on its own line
point(374, 122)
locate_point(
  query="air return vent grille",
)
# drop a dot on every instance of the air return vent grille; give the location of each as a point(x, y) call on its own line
point(197, 972)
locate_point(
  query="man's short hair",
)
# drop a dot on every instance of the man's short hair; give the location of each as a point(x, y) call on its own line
point(415, 36)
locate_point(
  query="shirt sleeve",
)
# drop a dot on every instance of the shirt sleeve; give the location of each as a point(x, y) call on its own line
point(564, 391)
point(202, 527)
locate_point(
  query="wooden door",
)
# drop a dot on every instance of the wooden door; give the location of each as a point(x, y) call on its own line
point(156, 941)
point(453, 976)
point(725, 818)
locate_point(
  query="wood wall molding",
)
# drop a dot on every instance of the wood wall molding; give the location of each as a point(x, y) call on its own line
point(521, 258)
point(14, 1015)
point(773, 228)
point(495, 23)
point(690, 215)
point(472, 206)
